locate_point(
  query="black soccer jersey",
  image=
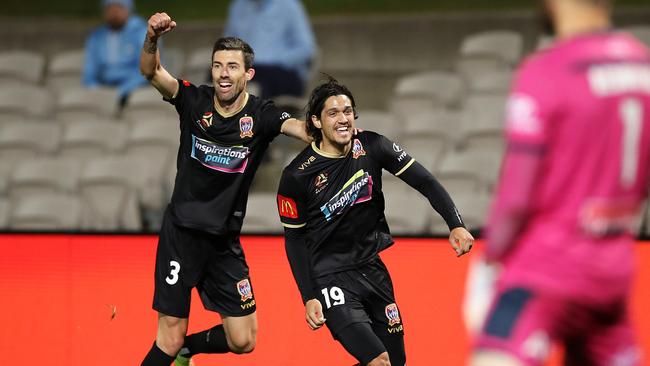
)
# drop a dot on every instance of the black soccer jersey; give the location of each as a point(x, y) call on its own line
point(218, 158)
point(339, 201)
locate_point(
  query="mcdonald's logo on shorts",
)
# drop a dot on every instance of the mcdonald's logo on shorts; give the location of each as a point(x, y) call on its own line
point(287, 207)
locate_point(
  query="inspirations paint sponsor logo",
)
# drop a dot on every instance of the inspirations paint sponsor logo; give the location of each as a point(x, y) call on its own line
point(356, 190)
point(227, 159)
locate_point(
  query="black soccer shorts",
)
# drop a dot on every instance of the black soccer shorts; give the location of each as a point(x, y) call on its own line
point(214, 264)
point(361, 295)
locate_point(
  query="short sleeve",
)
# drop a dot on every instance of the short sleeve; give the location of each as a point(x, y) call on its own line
point(291, 202)
point(529, 108)
point(185, 98)
point(272, 120)
point(390, 154)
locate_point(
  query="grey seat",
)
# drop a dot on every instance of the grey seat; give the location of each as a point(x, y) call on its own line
point(46, 212)
point(65, 69)
point(488, 51)
point(379, 121)
point(89, 103)
point(109, 188)
point(425, 89)
point(84, 140)
point(147, 104)
point(24, 140)
point(407, 213)
point(21, 101)
point(261, 214)
point(44, 175)
point(197, 67)
point(21, 66)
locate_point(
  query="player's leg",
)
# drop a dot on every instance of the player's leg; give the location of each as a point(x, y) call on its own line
point(383, 310)
point(520, 328)
point(363, 344)
point(172, 294)
point(226, 289)
point(610, 341)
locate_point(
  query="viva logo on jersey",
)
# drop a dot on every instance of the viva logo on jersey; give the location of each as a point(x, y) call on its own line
point(356, 190)
point(227, 159)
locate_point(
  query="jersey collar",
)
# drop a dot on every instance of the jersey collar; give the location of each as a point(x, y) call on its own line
point(225, 114)
point(326, 154)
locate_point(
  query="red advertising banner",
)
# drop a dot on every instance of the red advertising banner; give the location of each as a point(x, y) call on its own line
point(86, 300)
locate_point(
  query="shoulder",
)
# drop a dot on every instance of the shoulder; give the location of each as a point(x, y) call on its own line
point(305, 155)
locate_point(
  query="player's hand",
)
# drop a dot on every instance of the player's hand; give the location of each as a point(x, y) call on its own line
point(159, 24)
point(461, 240)
point(314, 314)
point(357, 131)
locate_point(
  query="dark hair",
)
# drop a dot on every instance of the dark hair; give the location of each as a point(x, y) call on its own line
point(235, 44)
point(317, 101)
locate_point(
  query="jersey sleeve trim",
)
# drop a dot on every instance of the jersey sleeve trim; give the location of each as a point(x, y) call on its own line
point(405, 167)
point(294, 226)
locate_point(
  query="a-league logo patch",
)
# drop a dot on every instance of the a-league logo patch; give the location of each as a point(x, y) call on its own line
point(244, 289)
point(246, 127)
point(357, 149)
point(206, 120)
point(392, 314)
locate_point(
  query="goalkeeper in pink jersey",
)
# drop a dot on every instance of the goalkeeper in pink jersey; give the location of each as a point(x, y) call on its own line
point(574, 179)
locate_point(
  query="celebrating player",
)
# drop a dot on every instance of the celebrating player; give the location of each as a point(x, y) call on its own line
point(574, 178)
point(332, 207)
point(224, 134)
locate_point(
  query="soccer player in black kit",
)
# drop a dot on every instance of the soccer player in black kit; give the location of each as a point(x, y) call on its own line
point(332, 207)
point(224, 133)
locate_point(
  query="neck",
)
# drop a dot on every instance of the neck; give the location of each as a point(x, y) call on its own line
point(229, 108)
point(573, 18)
point(334, 149)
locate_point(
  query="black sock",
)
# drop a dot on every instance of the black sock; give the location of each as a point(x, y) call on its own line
point(156, 357)
point(209, 341)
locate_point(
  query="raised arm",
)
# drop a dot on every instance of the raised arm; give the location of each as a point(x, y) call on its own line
point(150, 67)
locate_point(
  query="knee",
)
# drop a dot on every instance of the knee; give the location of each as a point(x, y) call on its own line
point(171, 336)
point(381, 360)
point(242, 341)
point(490, 358)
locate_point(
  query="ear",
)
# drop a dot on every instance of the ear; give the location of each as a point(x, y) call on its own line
point(249, 74)
point(316, 122)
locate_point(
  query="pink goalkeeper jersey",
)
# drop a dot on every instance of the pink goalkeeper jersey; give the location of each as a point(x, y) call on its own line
point(579, 113)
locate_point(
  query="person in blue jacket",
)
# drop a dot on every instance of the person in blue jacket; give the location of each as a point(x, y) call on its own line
point(112, 54)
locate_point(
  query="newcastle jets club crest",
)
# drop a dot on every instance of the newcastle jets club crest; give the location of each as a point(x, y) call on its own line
point(392, 314)
point(357, 149)
point(244, 289)
point(246, 127)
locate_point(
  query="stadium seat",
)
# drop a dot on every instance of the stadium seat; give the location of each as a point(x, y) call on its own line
point(24, 101)
point(544, 41)
point(428, 150)
point(6, 169)
point(4, 213)
point(478, 168)
point(440, 88)
point(198, 64)
point(46, 212)
point(92, 103)
point(44, 176)
point(494, 83)
point(381, 122)
point(489, 51)
point(483, 113)
point(407, 213)
point(472, 207)
point(261, 215)
point(433, 122)
point(21, 66)
point(109, 186)
point(147, 104)
point(84, 140)
point(65, 69)
point(24, 140)
point(641, 31)
point(173, 59)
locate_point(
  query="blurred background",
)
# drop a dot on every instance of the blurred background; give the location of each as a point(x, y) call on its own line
point(96, 153)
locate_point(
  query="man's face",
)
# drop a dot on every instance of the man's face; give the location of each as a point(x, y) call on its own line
point(229, 75)
point(116, 16)
point(336, 121)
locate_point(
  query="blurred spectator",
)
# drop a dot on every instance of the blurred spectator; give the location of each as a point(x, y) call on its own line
point(113, 50)
point(281, 35)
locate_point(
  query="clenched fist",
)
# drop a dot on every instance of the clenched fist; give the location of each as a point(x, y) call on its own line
point(159, 24)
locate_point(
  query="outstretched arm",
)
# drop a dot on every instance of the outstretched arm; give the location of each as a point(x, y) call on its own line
point(424, 182)
point(297, 129)
point(150, 67)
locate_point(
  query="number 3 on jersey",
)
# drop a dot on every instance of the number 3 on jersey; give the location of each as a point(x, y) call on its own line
point(173, 273)
point(335, 294)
